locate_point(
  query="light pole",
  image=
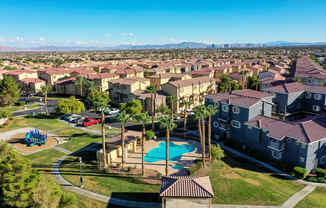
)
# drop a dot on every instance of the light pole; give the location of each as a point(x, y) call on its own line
point(80, 170)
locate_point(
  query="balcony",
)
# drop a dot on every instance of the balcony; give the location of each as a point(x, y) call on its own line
point(276, 146)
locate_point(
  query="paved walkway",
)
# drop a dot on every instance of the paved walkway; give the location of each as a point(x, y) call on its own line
point(68, 186)
point(5, 136)
point(297, 197)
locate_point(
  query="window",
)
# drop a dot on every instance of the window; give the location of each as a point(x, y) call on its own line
point(308, 95)
point(236, 124)
point(316, 108)
point(216, 105)
point(317, 96)
point(302, 159)
point(276, 155)
point(323, 160)
point(236, 109)
point(215, 124)
point(225, 108)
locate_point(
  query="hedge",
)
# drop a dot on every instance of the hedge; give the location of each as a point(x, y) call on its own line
point(300, 172)
point(320, 172)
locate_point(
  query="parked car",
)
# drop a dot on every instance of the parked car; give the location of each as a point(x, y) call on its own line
point(72, 118)
point(77, 118)
point(91, 121)
point(112, 111)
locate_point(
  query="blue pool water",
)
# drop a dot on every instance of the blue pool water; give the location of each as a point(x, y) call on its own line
point(175, 152)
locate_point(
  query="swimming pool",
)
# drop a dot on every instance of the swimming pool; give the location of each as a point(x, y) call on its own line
point(175, 152)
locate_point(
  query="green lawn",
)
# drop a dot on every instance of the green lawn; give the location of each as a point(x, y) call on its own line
point(108, 130)
point(16, 108)
point(317, 199)
point(43, 124)
point(239, 182)
point(79, 138)
point(124, 187)
point(45, 157)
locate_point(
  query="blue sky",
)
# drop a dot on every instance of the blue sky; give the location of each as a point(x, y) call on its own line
point(105, 23)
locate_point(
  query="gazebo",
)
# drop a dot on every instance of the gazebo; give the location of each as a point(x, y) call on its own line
point(186, 191)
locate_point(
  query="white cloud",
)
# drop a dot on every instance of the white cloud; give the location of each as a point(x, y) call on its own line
point(127, 34)
point(108, 35)
point(42, 39)
point(2, 39)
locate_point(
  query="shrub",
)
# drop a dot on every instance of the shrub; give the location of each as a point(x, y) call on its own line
point(21, 103)
point(217, 152)
point(300, 172)
point(5, 114)
point(149, 135)
point(321, 172)
point(159, 175)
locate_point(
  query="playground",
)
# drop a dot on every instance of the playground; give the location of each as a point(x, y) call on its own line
point(32, 141)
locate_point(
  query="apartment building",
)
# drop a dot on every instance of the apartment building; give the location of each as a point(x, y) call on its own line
point(193, 90)
point(245, 117)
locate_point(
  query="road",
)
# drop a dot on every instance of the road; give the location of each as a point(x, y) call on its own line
point(51, 104)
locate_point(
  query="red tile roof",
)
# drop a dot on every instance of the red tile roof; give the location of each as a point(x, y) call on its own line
point(186, 186)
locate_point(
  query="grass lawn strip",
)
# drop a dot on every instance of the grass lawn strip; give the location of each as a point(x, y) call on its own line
point(43, 124)
point(316, 199)
point(104, 183)
point(237, 182)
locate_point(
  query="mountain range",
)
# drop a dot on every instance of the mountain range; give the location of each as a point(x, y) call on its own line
point(162, 46)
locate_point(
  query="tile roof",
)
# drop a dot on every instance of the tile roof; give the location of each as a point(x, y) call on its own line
point(194, 81)
point(244, 98)
point(296, 87)
point(309, 130)
point(306, 67)
point(186, 186)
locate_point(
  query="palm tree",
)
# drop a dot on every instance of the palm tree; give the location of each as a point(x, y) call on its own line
point(144, 119)
point(167, 122)
point(123, 117)
point(152, 89)
point(100, 100)
point(199, 116)
point(91, 86)
point(204, 114)
point(244, 78)
point(80, 81)
point(254, 82)
point(46, 89)
point(172, 100)
point(211, 111)
point(185, 105)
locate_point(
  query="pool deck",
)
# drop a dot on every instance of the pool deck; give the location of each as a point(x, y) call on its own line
point(187, 159)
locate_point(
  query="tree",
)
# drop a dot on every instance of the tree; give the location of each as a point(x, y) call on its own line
point(226, 84)
point(185, 105)
point(244, 75)
point(143, 119)
point(254, 82)
point(132, 107)
point(46, 89)
point(167, 123)
point(70, 105)
point(100, 100)
point(152, 89)
point(172, 100)
point(211, 111)
point(91, 86)
point(164, 109)
point(123, 117)
point(217, 152)
point(9, 91)
point(80, 82)
point(200, 114)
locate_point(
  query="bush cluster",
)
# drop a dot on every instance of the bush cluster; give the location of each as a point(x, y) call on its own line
point(300, 172)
